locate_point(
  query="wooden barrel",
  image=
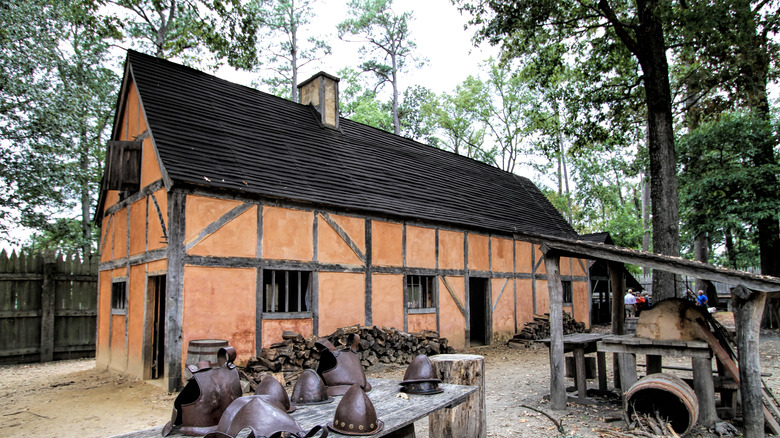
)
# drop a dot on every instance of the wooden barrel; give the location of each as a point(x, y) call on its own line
point(667, 394)
point(202, 349)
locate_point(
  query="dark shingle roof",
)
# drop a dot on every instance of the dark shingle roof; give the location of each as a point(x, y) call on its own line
point(212, 132)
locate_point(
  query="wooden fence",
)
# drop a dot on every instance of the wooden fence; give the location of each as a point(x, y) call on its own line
point(48, 307)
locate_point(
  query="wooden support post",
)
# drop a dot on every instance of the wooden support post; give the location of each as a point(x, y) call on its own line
point(654, 364)
point(617, 284)
point(627, 367)
point(467, 419)
point(48, 297)
point(581, 374)
point(748, 309)
point(174, 291)
point(601, 361)
point(705, 390)
point(557, 372)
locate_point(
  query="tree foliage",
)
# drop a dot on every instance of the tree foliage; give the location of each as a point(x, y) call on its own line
point(282, 49)
point(60, 101)
point(387, 46)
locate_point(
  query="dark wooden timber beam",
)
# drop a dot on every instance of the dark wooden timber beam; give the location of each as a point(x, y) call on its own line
point(552, 264)
point(677, 265)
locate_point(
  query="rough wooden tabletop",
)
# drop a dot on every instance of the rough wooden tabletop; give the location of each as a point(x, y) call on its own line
point(392, 407)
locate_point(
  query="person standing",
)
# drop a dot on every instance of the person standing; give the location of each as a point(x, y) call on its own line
point(630, 301)
point(701, 299)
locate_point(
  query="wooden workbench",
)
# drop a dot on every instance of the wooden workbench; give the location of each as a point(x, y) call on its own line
point(398, 413)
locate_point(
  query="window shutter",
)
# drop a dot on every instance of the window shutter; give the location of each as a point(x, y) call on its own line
point(124, 165)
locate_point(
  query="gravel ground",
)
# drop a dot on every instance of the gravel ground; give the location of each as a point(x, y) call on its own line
point(74, 399)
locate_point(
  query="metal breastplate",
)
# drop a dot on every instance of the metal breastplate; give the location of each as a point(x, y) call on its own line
point(201, 403)
point(343, 368)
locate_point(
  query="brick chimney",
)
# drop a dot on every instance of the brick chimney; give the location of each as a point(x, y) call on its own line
point(322, 92)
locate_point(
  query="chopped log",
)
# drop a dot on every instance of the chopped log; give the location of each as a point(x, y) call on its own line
point(466, 420)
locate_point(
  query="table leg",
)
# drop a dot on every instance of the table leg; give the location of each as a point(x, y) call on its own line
point(601, 361)
point(705, 390)
point(654, 363)
point(627, 363)
point(582, 382)
point(404, 432)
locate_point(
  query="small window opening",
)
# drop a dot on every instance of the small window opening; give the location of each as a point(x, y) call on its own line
point(286, 291)
point(119, 297)
point(567, 292)
point(419, 292)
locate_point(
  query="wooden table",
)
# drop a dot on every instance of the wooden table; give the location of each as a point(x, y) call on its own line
point(581, 344)
point(398, 413)
point(699, 352)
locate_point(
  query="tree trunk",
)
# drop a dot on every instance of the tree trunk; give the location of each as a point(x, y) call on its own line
point(663, 171)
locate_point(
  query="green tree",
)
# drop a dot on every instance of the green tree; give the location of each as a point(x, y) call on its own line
point(60, 101)
point(416, 120)
point(281, 48)
point(195, 31)
point(387, 45)
point(459, 126)
point(358, 102)
point(614, 29)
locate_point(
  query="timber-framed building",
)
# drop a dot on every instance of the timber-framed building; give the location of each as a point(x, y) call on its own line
point(228, 213)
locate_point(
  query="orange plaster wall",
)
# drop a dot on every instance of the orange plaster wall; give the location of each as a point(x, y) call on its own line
point(136, 305)
point(421, 321)
point(478, 252)
point(157, 267)
point(219, 303)
point(387, 244)
point(288, 234)
point(342, 300)
point(503, 315)
point(332, 248)
point(387, 300)
point(120, 234)
point(524, 257)
point(578, 269)
point(106, 238)
point(420, 247)
point(130, 125)
point(580, 298)
point(450, 250)
point(118, 359)
point(452, 323)
point(566, 265)
point(503, 259)
point(542, 269)
point(102, 355)
point(542, 297)
point(355, 228)
point(273, 329)
point(237, 238)
point(138, 226)
point(202, 211)
point(156, 238)
point(525, 302)
point(112, 197)
point(150, 167)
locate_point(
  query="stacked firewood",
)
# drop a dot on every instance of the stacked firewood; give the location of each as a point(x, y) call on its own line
point(287, 359)
point(539, 328)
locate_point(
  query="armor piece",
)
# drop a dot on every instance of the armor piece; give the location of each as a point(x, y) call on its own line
point(420, 377)
point(340, 369)
point(271, 389)
point(355, 414)
point(263, 418)
point(199, 406)
point(310, 390)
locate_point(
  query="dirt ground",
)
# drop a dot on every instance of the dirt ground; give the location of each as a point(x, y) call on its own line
point(73, 399)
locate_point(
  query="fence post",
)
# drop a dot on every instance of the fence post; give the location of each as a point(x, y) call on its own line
point(48, 291)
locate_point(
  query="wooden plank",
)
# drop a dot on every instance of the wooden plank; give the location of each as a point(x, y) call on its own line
point(47, 310)
point(173, 288)
point(557, 372)
point(705, 391)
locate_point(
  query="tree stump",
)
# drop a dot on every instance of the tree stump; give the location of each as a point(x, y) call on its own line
point(466, 420)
